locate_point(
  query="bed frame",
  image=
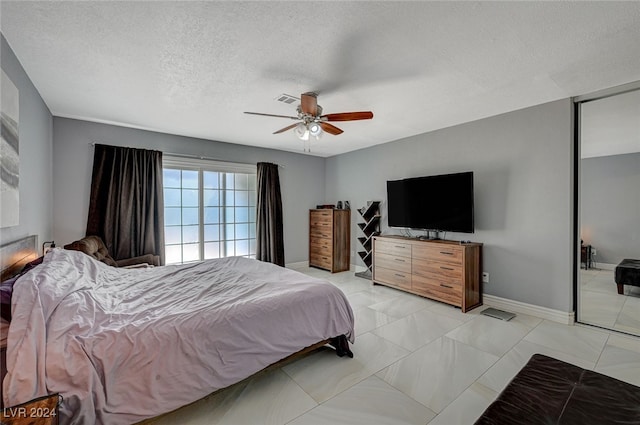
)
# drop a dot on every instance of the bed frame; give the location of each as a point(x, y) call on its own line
point(14, 256)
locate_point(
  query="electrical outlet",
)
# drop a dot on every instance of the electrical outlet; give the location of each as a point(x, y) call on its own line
point(485, 277)
point(593, 251)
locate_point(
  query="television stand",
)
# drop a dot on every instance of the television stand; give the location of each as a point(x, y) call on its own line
point(441, 270)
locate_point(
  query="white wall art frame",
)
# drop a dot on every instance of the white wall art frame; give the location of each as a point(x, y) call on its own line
point(9, 154)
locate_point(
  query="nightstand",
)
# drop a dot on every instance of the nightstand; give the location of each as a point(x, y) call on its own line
point(586, 256)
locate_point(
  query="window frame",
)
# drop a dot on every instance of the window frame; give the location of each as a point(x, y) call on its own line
point(202, 165)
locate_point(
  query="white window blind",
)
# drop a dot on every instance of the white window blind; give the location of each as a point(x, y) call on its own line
point(209, 209)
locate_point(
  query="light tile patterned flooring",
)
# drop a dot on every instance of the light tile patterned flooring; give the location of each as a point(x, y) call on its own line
point(600, 304)
point(415, 362)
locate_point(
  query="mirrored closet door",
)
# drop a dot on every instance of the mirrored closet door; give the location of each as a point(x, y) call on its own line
point(608, 210)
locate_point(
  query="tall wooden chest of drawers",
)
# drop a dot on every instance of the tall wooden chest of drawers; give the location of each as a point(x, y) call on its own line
point(446, 271)
point(329, 239)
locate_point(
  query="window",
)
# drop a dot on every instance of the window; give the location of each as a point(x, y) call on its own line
point(209, 210)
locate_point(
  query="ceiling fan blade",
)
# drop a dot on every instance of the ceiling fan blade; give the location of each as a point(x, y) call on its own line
point(309, 103)
point(348, 116)
point(330, 128)
point(271, 115)
point(282, 130)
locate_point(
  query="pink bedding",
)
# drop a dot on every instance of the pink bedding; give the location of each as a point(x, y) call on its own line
point(123, 345)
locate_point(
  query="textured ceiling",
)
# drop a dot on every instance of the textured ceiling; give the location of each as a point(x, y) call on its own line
point(192, 68)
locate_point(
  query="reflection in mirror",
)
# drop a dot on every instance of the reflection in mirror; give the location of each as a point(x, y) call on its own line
point(609, 213)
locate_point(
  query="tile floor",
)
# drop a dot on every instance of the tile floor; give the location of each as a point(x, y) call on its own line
point(600, 304)
point(416, 362)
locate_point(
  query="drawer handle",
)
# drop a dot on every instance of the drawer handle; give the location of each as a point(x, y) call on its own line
point(446, 286)
point(399, 275)
point(399, 259)
point(400, 246)
point(446, 253)
point(445, 268)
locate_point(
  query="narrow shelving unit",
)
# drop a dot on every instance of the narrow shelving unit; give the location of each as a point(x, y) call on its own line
point(370, 227)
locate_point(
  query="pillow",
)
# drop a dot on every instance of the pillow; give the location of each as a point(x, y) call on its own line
point(94, 247)
point(6, 290)
point(31, 264)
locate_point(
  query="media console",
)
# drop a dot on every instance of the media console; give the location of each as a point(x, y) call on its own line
point(447, 271)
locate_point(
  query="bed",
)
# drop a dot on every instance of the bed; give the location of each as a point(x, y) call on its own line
point(123, 345)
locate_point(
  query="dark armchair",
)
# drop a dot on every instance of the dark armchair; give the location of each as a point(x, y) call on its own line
point(93, 246)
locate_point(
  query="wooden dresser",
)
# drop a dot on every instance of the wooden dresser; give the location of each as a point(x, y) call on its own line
point(446, 271)
point(329, 239)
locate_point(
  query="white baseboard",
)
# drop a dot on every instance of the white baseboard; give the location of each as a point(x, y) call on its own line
point(566, 318)
point(304, 264)
point(298, 265)
point(604, 266)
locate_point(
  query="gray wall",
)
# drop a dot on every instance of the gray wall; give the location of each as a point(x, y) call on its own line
point(35, 125)
point(610, 206)
point(522, 162)
point(302, 178)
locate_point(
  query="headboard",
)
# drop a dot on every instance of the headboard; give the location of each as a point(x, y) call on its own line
point(14, 256)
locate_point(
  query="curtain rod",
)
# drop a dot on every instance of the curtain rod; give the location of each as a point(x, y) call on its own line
point(182, 155)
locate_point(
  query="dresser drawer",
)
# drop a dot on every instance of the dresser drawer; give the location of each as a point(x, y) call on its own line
point(392, 277)
point(393, 262)
point(321, 216)
point(321, 232)
point(323, 244)
point(436, 285)
point(320, 251)
point(444, 253)
point(321, 224)
point(443, 291)
point(445, 297)
point(320, 260)
point(437, 270)
point(397, 249)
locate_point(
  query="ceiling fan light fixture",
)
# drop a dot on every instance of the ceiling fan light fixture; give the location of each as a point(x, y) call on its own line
point(315, 129)
point(302, 131)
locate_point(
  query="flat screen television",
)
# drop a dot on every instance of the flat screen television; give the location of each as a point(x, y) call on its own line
point(443, 202)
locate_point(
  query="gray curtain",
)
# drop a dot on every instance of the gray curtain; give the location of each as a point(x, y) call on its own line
point(126, 204)
point(269, 228)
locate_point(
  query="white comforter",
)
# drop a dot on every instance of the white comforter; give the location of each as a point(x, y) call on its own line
point(122, 345)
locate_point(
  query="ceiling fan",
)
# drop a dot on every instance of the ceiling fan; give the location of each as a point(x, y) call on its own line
point(311, 122)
